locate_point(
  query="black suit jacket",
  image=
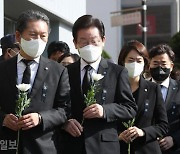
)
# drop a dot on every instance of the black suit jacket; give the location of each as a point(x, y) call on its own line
point(151, 118)
point(49, 96)
point(173, 112)
point(100, 135)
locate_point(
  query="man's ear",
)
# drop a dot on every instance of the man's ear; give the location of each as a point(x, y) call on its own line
point(104, 40)
point(18, 36)
point(172, 66)
point(75, 44)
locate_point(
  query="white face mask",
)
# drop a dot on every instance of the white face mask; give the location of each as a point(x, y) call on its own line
point(134, 69)
point(33, 48)
point(90, 53)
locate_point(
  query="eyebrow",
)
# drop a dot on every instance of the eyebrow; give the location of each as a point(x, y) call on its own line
point(82, 38)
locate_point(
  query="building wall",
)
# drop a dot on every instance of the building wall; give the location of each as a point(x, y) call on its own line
point(62, 14)
point(67, 9)
point(66, 36)
point(101, 9)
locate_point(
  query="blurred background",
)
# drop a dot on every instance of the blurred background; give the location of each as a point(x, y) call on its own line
point(162, 20)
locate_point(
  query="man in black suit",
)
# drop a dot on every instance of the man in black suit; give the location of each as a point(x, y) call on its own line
point(161, 64)
point(9, 47)
point(98, 131)
point(49, 91)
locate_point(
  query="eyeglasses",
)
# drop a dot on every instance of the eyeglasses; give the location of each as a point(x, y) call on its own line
point(84, 42)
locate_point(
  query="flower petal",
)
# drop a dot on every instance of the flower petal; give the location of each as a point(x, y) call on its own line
point(23, 87)
point(97, 77)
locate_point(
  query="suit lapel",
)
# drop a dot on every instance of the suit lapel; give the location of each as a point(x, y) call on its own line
point(172, 90)
point(76, 74)
point(142, 96)
point(12, 73)
point(101, 94)
point(41, 74)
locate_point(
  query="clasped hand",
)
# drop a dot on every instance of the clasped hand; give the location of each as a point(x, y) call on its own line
point(166, 143)
point(25, 122)
point(74, 128)
point(131, 134)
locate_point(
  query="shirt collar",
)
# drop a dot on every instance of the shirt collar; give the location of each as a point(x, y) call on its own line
point(94, 65)
point(165, 83)
point(19, 58)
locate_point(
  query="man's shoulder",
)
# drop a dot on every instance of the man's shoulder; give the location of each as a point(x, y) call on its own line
point(174, 83)
point(115, 67)
point(74, 65)
point(150, 84)
point(52, 62)
point(10, 61)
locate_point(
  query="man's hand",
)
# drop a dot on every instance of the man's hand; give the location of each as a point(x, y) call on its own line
point(131, 134)
point(10, 121)
point(28, 121)
point(73, 127)
point(124, 136)
point(166, 143)
point(93, 111)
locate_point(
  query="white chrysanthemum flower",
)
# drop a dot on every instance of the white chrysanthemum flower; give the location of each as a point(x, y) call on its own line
point(23, 87)
point(97, 77)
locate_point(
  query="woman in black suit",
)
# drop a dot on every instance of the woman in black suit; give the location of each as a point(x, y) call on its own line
point(151, 119)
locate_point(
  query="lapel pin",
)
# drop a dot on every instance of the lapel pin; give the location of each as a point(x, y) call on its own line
point(104, 73)
point(174, 88)
point(46, 68)
point(145, 90)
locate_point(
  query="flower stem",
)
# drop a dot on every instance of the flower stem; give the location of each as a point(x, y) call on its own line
point(82, 121)
point(129, 148)
point(17, 142)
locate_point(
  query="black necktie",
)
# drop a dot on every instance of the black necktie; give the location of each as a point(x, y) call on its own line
point(27, 72)
point(87, 79)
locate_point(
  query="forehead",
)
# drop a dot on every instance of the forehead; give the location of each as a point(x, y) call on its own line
point(162, 57)
point(67, 59)
point(37, 25)
point(88, 33)
point(133, 54)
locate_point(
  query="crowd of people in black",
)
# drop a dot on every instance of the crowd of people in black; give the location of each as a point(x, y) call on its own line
point(86, 104)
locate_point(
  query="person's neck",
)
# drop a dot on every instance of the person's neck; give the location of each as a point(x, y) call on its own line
point(25, 56)
point(134, 82)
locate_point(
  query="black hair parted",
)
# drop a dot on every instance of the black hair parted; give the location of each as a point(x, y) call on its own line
point(87, 21)
point(162, 49)
point(30, 15)
point(58, 46)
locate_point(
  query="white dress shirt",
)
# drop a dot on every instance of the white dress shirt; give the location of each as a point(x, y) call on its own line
point(94, 66)
point(21, 68)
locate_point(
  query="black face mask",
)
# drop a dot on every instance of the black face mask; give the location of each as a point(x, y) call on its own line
point(159, 73)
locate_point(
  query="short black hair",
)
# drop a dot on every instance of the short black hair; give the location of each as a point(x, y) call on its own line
point(87, 21)
point(162, 49)
point(8, 41)
point(57, 46)
point(30, 15)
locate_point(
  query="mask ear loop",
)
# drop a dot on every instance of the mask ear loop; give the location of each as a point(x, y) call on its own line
point(8, 52)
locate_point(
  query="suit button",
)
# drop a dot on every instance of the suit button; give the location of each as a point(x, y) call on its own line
point(172, 112)
point(174, 106)
point(103, 98)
